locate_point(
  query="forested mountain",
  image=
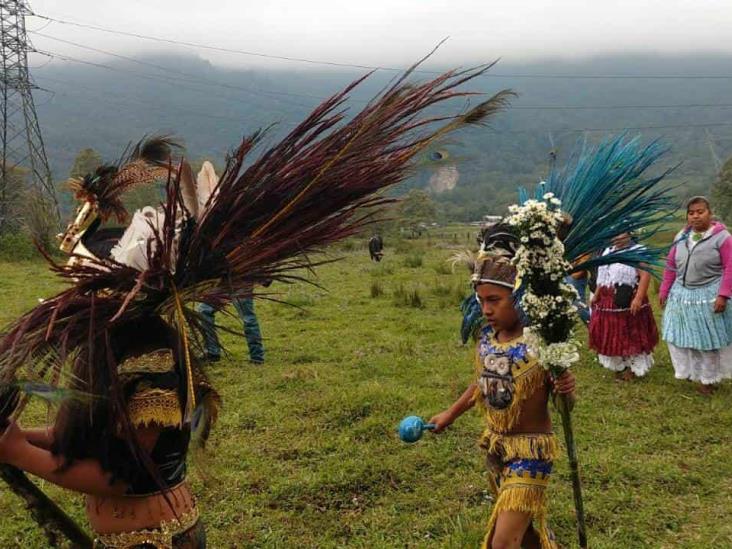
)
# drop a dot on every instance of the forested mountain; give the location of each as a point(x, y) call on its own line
point(210, 108)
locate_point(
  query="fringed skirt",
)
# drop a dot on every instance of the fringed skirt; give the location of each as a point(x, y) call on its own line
point(520, 467)
point(616, 332)
point(699, 340)
point(690, 322)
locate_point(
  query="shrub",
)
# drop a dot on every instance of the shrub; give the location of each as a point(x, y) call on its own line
point(382, 269)
point(413, 261)
point(17, 246)
point(440, 289)
point(376, 289)
point(407, 298)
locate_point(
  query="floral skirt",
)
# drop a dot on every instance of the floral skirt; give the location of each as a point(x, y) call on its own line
point(616, 332)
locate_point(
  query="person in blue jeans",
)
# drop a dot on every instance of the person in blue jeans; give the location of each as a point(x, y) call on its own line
point(580, 284)
point(245, 307)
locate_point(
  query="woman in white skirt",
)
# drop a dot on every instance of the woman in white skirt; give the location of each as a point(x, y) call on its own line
point(697, 283)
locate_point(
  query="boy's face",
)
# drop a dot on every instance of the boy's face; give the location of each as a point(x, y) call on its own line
point(496, 302)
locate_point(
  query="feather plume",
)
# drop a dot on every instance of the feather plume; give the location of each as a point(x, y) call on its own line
point(463, 257)
point(270, 219)
point(147, 161)
point(606, 190)
point(155, 150)
point(188, 190)
point(206, 184)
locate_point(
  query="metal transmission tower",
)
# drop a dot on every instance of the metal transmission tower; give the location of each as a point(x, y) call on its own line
point(20, 134)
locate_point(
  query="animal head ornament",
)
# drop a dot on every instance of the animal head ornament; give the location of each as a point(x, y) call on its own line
point(496, 381)
point(100, 192)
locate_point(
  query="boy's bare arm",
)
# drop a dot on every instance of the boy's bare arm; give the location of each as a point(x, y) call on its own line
point(459, 407)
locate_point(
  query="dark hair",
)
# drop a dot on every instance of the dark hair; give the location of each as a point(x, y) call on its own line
point(698, 200)
point(91, 428)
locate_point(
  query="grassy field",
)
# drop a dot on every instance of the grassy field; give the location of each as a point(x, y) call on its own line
point(306, 455)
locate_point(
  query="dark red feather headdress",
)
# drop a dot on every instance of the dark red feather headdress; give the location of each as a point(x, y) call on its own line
point(315, 187)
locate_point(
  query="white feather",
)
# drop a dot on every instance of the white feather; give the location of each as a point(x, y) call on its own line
point(207, 182)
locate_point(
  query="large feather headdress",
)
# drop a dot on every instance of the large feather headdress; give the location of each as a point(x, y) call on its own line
point(264, 221)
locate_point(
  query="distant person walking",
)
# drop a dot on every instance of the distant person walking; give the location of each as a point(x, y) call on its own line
point(697, 284)
point(376, 248)
point(622, 328)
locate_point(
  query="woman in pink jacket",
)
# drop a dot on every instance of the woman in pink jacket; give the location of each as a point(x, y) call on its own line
point(697, 284)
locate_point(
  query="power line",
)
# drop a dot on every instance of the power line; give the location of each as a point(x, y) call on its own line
point(191, 78)
point(538, 131)
point(620, 107)
point(171, 80)
point(135, 101)
point(384, 68)
point(46, 24)
point(126, 99)
point(527, 107)
point(175, 80)
point(213, 48)
point(626, 128)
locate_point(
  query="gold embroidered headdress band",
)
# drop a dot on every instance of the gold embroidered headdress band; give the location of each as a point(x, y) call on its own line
point(494, 270)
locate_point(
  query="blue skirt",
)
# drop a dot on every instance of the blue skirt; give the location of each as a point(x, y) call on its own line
point(690, 321)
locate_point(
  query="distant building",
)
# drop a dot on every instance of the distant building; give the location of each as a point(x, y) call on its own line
point(491, 219)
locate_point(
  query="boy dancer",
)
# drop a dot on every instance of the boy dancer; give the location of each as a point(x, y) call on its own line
point(513, 390)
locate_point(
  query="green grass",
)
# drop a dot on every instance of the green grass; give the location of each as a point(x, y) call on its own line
point(305, 453)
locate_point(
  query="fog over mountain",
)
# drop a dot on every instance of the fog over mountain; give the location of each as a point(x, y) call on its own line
point(210, 108)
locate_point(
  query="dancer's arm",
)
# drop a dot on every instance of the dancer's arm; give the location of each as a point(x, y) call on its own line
point(86, 475)
point(41, 437)
point(459, 407)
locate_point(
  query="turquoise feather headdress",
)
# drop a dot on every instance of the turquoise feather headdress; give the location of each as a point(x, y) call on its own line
point(606, 191)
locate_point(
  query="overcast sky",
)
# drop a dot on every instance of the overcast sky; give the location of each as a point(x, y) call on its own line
point(392, 32)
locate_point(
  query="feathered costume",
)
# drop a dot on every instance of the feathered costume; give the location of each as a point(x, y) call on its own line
point(603, 193)
point(125, 330)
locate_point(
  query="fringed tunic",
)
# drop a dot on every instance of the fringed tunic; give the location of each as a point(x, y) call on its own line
point(508, 374)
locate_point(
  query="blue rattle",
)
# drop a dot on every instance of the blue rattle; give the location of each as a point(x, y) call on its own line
point(412, 427)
